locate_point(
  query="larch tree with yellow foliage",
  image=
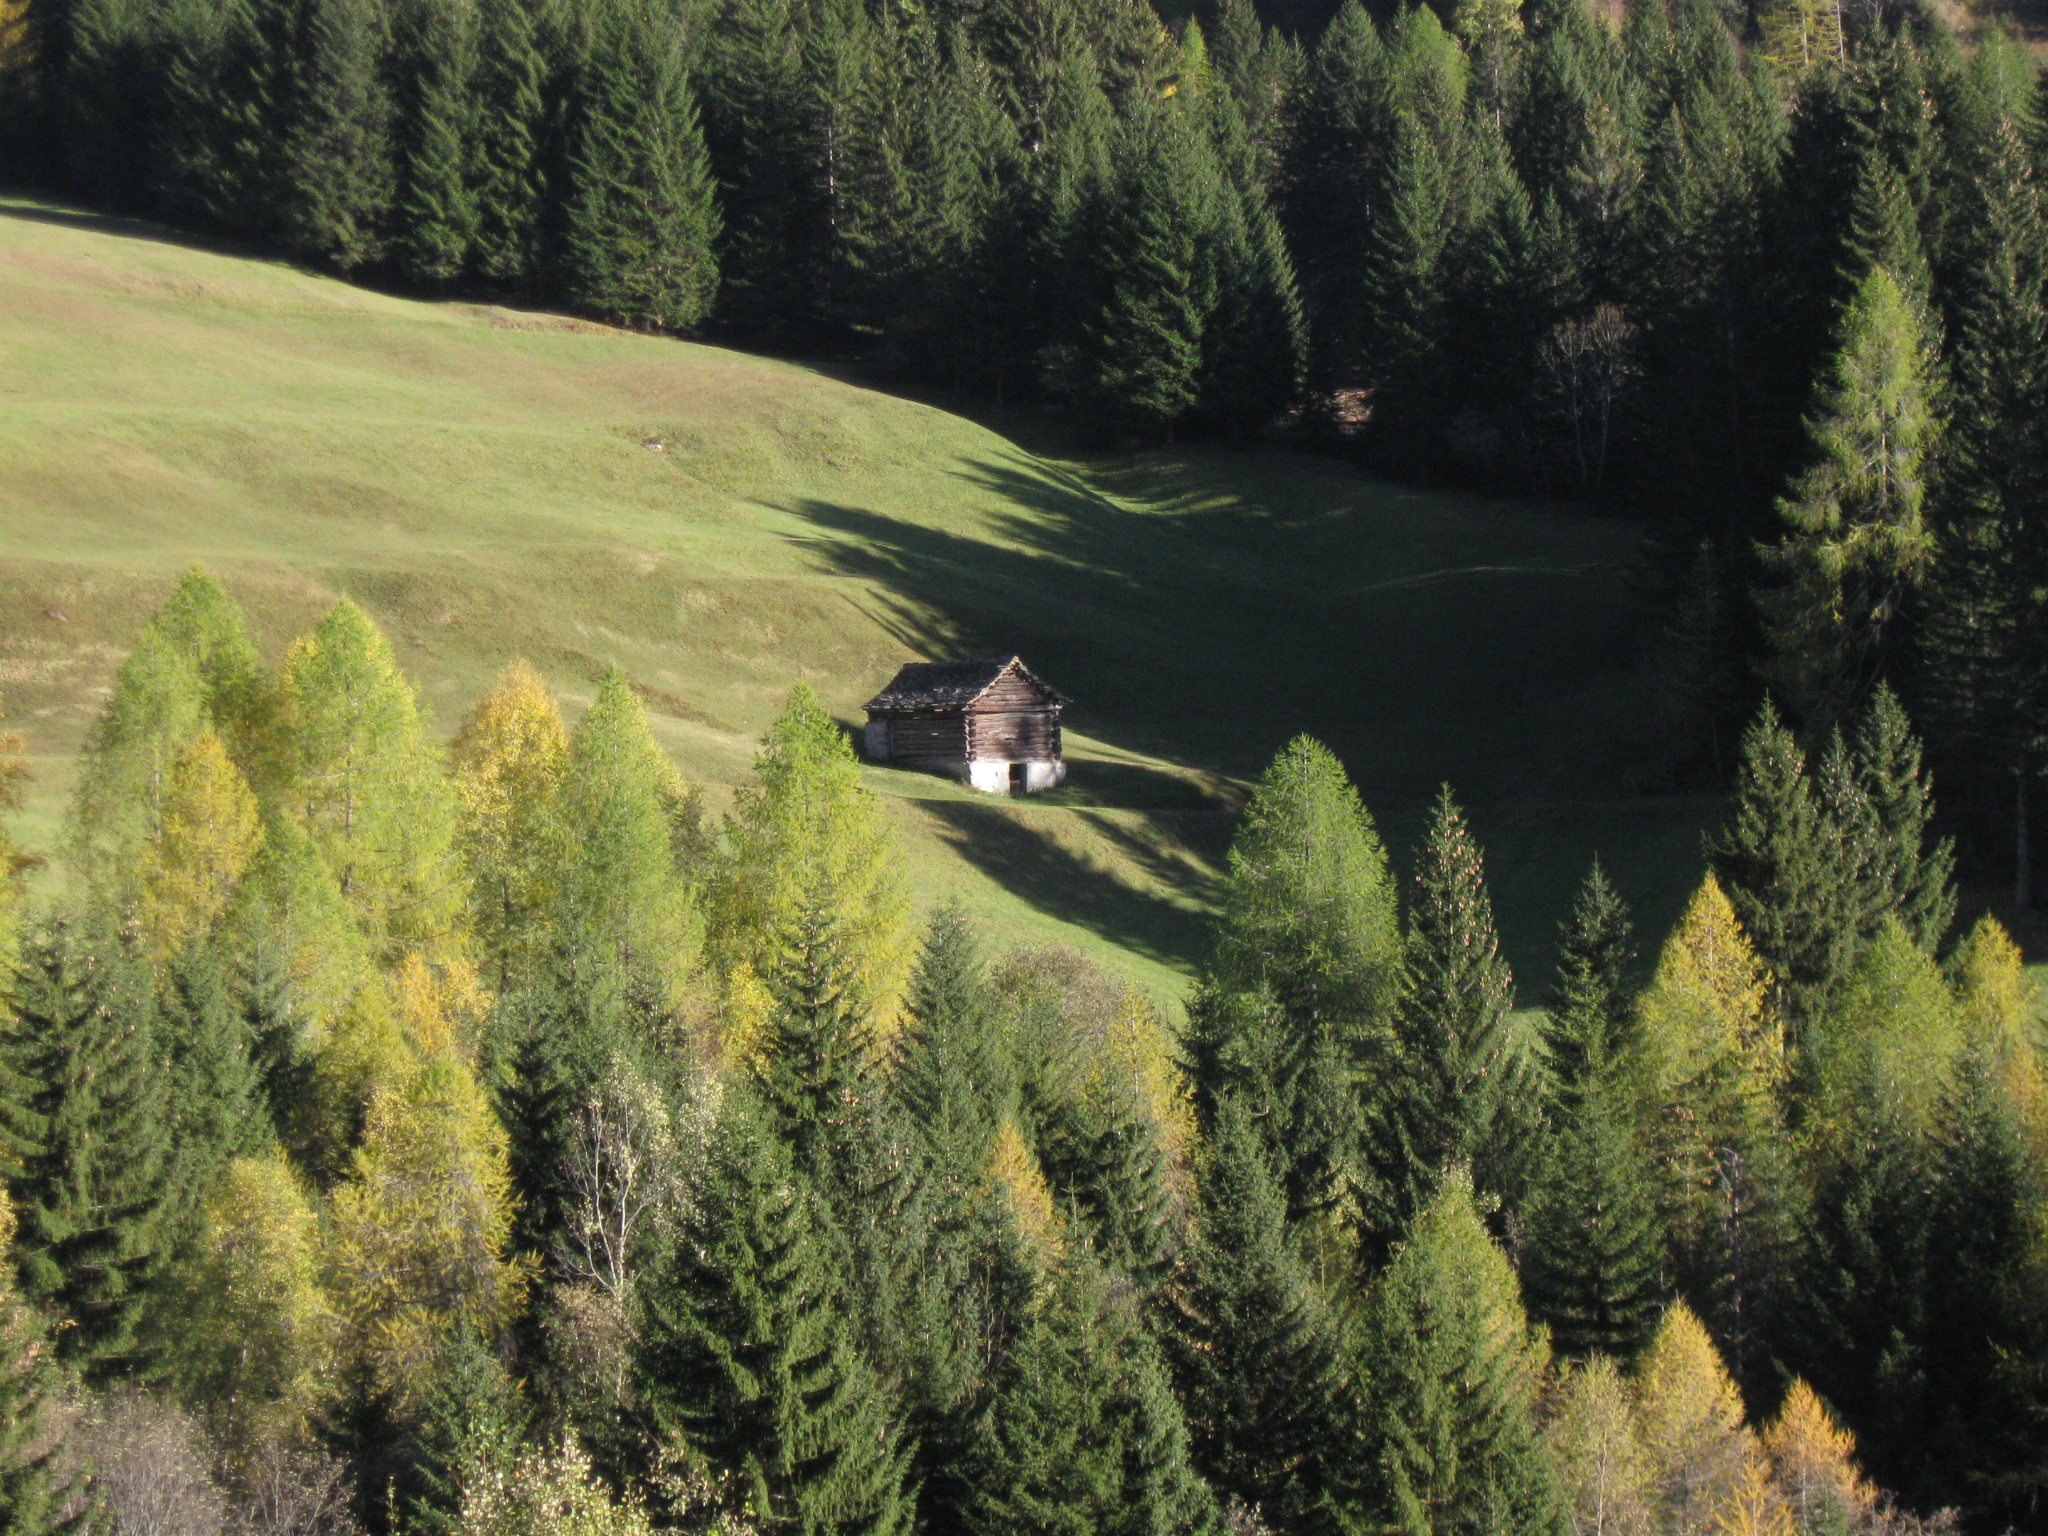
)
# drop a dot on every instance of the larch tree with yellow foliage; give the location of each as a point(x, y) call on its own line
point(808, 893)
point(209, 833)
point(419, 1233)
point(623, 921)
point(361, 779)
point(1594, 1443)
point(1690, 1426)
point(507, 766)
point(1712, 1063)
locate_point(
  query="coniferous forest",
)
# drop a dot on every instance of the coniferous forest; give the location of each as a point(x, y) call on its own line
point(1768, 276)
point(487, 1138)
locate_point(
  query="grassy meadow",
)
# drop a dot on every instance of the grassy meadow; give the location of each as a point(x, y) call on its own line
point(491, 483)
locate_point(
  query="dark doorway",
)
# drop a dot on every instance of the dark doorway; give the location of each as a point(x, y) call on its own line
point(1016, 778)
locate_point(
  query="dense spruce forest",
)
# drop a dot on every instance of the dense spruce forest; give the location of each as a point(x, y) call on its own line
point(491, 1139)
point(1767, 275)
point(486, 1138)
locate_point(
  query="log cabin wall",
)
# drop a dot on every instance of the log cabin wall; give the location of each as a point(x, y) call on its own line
point(1013, 735)
point(917, 738)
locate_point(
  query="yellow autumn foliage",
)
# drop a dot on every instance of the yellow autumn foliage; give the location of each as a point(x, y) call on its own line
point(1753, 1506)
point(1998, 1005)
point(254, 1324)
point(418, 1234)
point(1020, 1182)
point(744, 1016)
point(1813, 1461)
point(506, 768)
point(1706, 1005)
point(1601, 1468)
point(208, 835)
point(1689, 1418)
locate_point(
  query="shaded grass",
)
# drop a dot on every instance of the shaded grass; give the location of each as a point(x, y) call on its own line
point(492, 483)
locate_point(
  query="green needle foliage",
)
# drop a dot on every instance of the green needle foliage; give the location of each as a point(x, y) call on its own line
point(640, 226)
point(951, 1076)
point(1299, 997)
point(38, 1493)
point(1856, 540)
point(746, 1351)
point(1459, 1091)
point(1455, 1372)
point(1084, 1434)
point(1261, 1359)
point(94, 1182)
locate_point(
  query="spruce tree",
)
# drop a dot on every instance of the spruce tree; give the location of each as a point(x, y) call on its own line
point(744, 1348)
point(1084, 1433)
point(1590, 1011)
point(88, 1110)
point(1341, 134)
point(640, 226)
point(1459, 1090)
point(1595, 1263)
point(1856, 542)
point(1153, 285)
point(1782, 866)
point(951, 1078)
point(469, 1425)
point(335, 173)
point(509, 168)
point(38, 1496)
point(1913, 868)
point(1455, 1372)
point(1259, 1355)
point(435, 212)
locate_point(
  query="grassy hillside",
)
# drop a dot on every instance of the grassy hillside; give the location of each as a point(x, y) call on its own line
point(491, 483)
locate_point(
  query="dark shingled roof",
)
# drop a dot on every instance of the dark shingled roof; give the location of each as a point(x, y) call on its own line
point(943, 685)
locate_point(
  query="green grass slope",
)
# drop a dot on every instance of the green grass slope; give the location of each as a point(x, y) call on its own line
point(491, 483)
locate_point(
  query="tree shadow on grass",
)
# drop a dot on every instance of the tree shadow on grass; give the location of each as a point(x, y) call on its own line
point(1036, 868)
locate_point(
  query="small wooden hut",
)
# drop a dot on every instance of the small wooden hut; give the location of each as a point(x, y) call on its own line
point(991, 723)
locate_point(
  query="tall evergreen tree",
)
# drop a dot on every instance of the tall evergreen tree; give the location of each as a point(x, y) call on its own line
point(1084, 1434)
point(87, 1111)
point(1590, 1011)
point(1783, 867)
point(1459, 1090)
point(1455, 1371)
point(434, 211)
point(1259, 1354)
point(509, 167)
point(1856, 540)
point(1340, 136)
point(1911, 866)
point(641, 225)
point(38, 1494)
point(950, 1074)
point(745, 1348)
point(336, 173)
point(1154, 285)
